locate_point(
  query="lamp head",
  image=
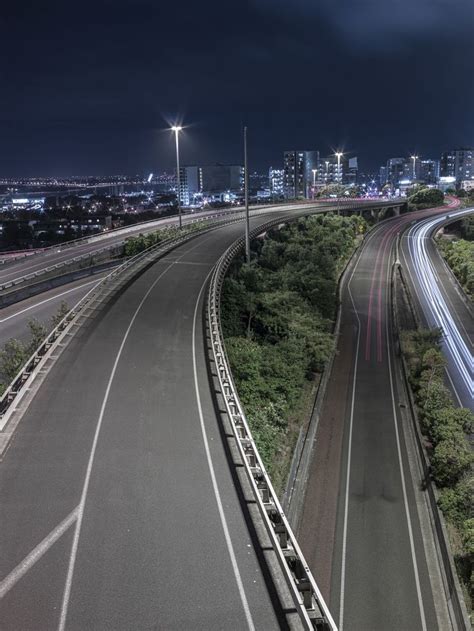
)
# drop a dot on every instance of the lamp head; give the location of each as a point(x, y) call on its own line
point(176, 128)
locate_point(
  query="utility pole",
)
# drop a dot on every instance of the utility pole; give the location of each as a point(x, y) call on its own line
point(246, 191)
point(177, 129)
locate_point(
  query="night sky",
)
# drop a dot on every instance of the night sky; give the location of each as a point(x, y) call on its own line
point(88, 87)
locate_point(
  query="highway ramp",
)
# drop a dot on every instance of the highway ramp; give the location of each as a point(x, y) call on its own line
point(366, 526)
point(110, 516)
point(440, 302)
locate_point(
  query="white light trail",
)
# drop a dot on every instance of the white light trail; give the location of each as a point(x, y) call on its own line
point(455, 345)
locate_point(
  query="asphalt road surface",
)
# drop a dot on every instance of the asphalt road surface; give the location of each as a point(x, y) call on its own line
point(14, 318)
point(52, 256)
point(14, 270)
point(365, 528)
point(440, 303)
point(119, 510)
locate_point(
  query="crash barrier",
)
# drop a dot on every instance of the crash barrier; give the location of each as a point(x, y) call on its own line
point(309, 603)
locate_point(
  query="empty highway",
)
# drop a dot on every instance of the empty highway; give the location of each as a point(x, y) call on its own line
point(119, 508)
point(12, 270)
point(365, 525)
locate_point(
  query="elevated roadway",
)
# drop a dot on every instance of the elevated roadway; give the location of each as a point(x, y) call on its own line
point(366, 525)
point(30, 268)
point(14, 318)
point(119, 503)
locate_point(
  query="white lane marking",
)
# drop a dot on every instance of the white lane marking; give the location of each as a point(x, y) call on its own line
point(35, 555)
point(349, 450)
point(77, 531)
point(220, 507)
point(400, 462)
point(38, 304)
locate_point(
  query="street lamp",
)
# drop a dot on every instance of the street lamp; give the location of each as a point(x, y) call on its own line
point(339, 155)
point(177, 129)
point(414, 158)
point(314, 179)
point(246, 199)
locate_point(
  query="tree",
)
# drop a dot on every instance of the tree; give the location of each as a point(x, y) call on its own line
point(426, 198)
point(433, 397)
point(38, 334)
point(449, 419)
point(12, 357)
point(456, 502)
point(60, 314)
point(451, 458)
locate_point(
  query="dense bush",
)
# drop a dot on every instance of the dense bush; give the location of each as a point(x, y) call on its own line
point(277, 318)
point(459, 255)
point(448, 429)
point(15, 352)
point(135, 245)
point(426, 198)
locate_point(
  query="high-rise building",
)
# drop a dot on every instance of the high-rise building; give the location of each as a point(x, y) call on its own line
point(211, 180)
point(298, 173)
point(429, 171)
point(457, 164)
point(383, 176)
point(397, 170)
point(276, 178)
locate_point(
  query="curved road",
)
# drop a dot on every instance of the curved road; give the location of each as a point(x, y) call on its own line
point(14, 270)
point(440, 302)
point(365, 527)
point(119, 507)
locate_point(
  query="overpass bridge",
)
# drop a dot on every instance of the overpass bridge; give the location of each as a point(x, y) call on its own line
point(133, 496)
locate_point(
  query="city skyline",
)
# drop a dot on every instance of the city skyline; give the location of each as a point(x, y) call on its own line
point(104, 106)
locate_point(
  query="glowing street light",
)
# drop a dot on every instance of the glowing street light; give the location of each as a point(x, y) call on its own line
point(339, 155)
point(314, 179)
point(414, 158)
point(177, 129)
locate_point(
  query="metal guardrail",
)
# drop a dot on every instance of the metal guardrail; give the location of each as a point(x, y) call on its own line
point(89, 255)
point(126, 229)
point(307, 598)
point(30, 369)
point(337, 205)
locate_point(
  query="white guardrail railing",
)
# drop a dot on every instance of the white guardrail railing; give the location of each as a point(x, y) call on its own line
point(18, 387)
point(188, 219)
point(307, 598)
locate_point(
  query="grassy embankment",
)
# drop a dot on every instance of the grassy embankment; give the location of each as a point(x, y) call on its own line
point(277, 316)
point(459, 253)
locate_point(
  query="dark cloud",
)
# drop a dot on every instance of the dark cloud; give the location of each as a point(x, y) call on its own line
point(379, 25)
point(88, 86)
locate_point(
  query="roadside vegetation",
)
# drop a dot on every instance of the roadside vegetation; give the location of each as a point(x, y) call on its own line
point(448, 432)
point(458, 251)
point(423, 197)
point(135, 245)
point(277, 318)
point(16, 352)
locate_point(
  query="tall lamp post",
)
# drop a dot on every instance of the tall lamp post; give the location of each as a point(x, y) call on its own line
point(246, 193)
point(414, 158)
point(177, 129)
point(314, 179)
point(338, 155)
